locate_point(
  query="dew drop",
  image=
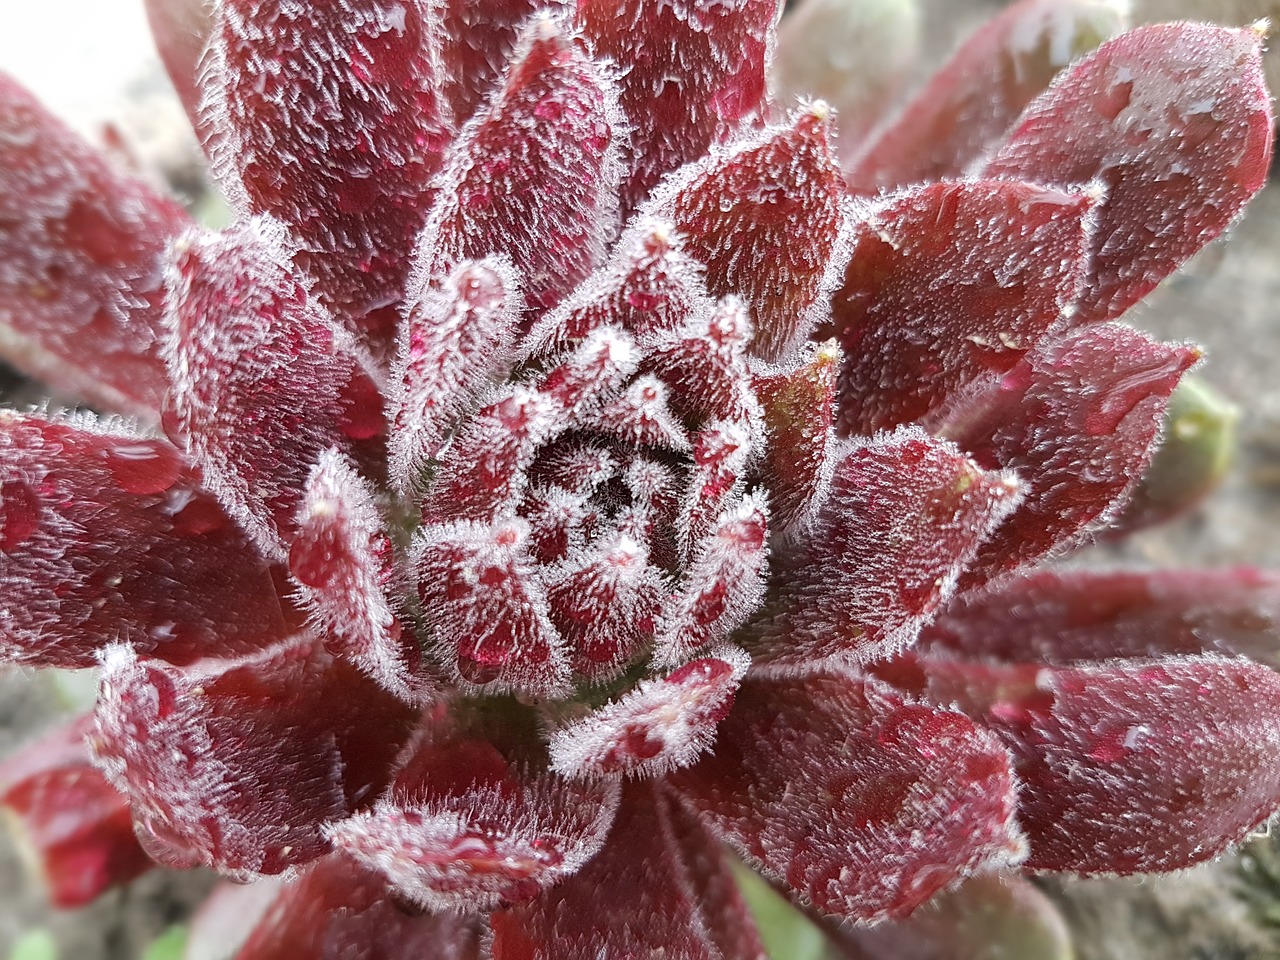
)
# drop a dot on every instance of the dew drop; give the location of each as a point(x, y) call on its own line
point(144, 469)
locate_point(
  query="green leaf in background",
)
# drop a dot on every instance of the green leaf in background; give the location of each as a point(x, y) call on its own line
point(787, 933)
point(35, 945)
point(170, 945)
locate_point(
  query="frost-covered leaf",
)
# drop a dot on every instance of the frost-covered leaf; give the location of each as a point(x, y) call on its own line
point(721, 588)
point(486, 606)
point(649, 286)
point(263, 382)
point(328, 117)
point(660, 888)
point(81, 263)
point(1129, 766)
point(961, 115)
point(657, 726)
point(693, 74)
point(1174, 121)
point(335, 910)
point(704, 364)
point(478, 39)
point(534, 175)
point(1065, 616)
point(721, 452)
point(74, 825)
point(798, 410)
point(948, 282)
point(344, 563)
point(456, 339)
point(863, 805)
point(236, 767)
point(490, 846)
point(604, 601)
point(1076, 418)
point(904, 517)
point(106, 537)
point(767, 218)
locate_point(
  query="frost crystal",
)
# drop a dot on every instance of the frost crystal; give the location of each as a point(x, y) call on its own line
point(572, 470)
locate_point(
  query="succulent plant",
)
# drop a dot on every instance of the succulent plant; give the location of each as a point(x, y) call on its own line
point(571, 472)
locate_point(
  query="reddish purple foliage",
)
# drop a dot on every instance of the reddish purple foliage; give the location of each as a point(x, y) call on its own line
point(572, 485)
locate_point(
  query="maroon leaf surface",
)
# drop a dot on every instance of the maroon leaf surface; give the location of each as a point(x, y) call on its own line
point(904, 518)
point(948, 282)
point(457, 338)
point(968, 106)
point(344, 563)
point(657, 726)
point(1129, 766)
point(693, 74)
point(73, 824)
point(660, 887)
point(490, 845)
point(263, 382)
point(477, 41)
point(237, 767)
point(798, 406)
point(354, 193)
point(649, 286)
point(861, 804)
point(81, 272)
point(1076, 419)
point(487, 608)
point(767, 219)
point(1065, 616)
point(106, 537)
point(336, 910)
point(534, 175)
point(1174, 122)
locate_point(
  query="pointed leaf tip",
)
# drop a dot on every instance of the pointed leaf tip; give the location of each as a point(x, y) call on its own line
point(1176, 121)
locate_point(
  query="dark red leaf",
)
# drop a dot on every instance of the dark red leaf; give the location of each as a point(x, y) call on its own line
point(487, 607)
point(479, 37)
point(904, 517)
point(457, 338)
point(1174, 121)
point(263, 382)
point(81, 271)
point(1130, 766)
point(1076, 418)
point(354, 193)
point(74, 825)
point(967, 108)
point(693, 74)
point(487, 846)
point(948, 282)
point(534, 175)
point(863, 805)
point(659, 888)
point(1065, 616)
point(767, 218)
point(657, 726)
point(344, 563)
point(798, 408)
point(107, 537)
point(337, 911)
point(181, 30)
point(236, 767)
